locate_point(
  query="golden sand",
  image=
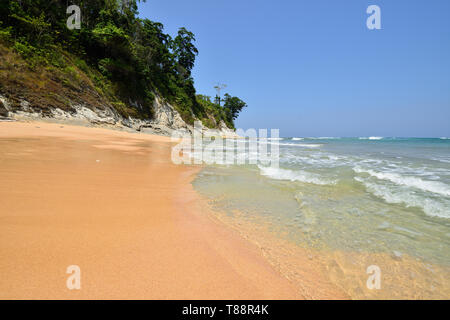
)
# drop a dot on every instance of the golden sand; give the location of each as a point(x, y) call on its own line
point(113, 204)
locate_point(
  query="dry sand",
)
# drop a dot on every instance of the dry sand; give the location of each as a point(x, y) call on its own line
point(113, 203)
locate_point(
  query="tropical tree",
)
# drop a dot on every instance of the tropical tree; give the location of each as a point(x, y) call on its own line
point(185, 51)
point(233, 106)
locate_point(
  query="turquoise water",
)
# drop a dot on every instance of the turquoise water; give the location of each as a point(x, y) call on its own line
point(356, 194)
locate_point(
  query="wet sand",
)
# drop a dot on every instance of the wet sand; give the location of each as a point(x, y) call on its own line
point(113, 204)
point(323, 273)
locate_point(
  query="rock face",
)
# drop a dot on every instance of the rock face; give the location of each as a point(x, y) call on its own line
point(166, 119)
point(166, 115)
point(3, 107)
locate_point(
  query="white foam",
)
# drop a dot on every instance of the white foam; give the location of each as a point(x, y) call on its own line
point(370, 138)
point(298, 139)
point(323, 138)
point(408, 181)
point(272, 139)
point(291, 175)
point(400, 195)
point(302, 145)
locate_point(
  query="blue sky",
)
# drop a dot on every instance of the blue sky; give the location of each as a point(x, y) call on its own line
point(312, 68)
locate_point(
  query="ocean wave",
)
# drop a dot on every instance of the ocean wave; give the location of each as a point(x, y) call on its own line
point(302, 145)
point(404, 196)
point(408, 181)
point(291, 175)
point(298, 139)
point(323, 138)
point(316, 159)
point(370, 138)
point(272, 139)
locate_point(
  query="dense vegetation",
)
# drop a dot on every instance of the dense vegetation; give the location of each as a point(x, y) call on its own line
point(127, 59)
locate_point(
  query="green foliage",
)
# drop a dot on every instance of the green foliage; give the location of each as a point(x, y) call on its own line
point(233, 106)
point(82, 65)
point(213, 108)
point(125, 57)
point(24, 50)
point(5, 34)
point(184, 51)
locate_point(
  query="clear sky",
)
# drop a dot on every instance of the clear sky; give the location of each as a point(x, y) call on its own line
point(312, 68)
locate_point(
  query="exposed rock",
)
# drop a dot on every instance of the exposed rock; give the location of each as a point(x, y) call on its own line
point(3, 111)
point(166, 116)
point(25, 106)
point(25, 111)
point(166, 119)
point(4, 108)
point(227, 132)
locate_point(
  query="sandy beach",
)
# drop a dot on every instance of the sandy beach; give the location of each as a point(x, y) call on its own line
point(113, 204)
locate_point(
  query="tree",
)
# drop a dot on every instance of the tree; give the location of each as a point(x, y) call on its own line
point(233, 106)
point(185, 51)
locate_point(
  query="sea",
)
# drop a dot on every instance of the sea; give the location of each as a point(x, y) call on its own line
point(349, 203)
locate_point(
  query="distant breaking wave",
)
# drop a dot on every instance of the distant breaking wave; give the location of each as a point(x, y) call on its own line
point(291, 175)
point(303, 145)
point(370, 138)
point(272, 139)
point(323, 138)
point(298, 139)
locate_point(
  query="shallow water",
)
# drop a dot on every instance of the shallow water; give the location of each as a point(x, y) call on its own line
point(361, 195)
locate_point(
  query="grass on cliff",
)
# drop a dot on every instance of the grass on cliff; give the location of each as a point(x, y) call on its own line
point(63, 82)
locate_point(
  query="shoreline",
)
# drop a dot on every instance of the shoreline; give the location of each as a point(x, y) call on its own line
point(115, 205)
point(329, 274)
